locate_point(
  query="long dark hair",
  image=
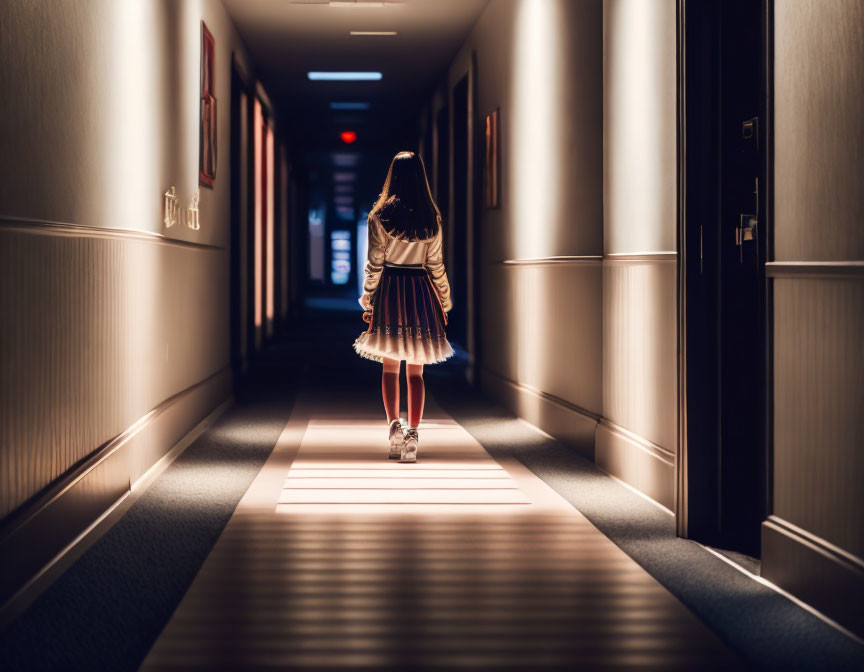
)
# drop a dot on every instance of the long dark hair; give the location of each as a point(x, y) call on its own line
point(405, 206)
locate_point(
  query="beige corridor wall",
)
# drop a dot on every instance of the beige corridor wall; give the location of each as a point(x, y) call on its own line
point(636, 439)
point(813, 543)
point(104, 314)
point(539, 276)
point(577, 297)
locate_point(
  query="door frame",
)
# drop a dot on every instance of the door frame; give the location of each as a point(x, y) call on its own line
point(473, 182)
point(696, 517)
point(239, 275)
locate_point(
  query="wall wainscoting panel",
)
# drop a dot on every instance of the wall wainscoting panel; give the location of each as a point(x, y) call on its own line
point(95, 331)
point(639, 347)
point(568, 423)
point(641, 464)
point(818, 69)
point(815, 571)
point(34, 536)
point(541, 327)
point(812, 544)
point(818, 395)
point(615, 320)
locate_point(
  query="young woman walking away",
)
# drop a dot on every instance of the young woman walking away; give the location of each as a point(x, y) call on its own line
point(406, 295)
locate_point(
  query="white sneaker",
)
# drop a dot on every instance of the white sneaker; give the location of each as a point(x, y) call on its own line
point(409, 448)
point(397, 439)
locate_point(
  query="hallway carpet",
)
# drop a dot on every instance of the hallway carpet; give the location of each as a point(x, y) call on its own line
point(765, 628)
point(104, 613)
point(339, 559)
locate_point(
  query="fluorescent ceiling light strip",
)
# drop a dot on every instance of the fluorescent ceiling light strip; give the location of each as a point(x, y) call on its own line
point(373, 32)
point(343, 105)
point(344, 76)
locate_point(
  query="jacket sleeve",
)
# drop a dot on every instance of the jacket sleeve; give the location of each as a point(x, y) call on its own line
point(435, 266)
point(374, 260)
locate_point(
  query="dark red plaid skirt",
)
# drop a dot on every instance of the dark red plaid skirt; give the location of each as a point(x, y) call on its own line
point(407, 319)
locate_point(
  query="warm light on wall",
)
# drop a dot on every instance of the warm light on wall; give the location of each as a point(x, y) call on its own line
point(132, 134)
point(543, 129)
point(132, 131)
point(536, 129)
point(639, 99)
point(537, 135)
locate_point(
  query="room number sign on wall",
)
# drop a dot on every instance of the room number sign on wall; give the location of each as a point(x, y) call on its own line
point(174, 214)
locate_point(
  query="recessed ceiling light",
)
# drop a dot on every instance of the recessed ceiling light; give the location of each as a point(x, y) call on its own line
point(347, 105)
point(373, 32)
point(345, 160)
point(344, 76)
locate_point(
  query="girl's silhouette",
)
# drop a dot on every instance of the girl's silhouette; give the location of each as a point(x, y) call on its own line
point(406, 295)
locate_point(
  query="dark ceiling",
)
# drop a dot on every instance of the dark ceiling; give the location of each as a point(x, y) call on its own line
point(287, 39)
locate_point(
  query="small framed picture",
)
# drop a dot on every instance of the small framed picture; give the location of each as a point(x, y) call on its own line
point(207, 121)
point(492, 166)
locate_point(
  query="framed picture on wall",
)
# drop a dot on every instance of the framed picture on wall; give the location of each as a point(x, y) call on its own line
point(492, 165)
point(207, 134)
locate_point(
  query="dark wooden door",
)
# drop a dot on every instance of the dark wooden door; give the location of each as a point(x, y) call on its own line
point(725, 166)
point(457, 266)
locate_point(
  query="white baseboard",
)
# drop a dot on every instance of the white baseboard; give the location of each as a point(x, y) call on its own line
point(814, 571)
point(643, 465)
point(45, 538)
point(636, 462)
point(557, 417)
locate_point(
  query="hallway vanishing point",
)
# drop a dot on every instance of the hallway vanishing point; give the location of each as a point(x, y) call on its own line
point(646, 252)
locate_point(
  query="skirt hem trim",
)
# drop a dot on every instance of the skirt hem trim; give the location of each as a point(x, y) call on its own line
point(377, 354)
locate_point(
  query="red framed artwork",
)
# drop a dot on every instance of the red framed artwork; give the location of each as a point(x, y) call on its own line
point(207, 135)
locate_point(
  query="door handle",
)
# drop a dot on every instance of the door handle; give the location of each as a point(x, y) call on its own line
point(750, 130)
point(747, 226)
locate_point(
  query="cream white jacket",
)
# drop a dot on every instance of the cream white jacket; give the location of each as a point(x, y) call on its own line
point(386, 248)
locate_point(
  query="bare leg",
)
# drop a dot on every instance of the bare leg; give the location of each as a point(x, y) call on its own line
point(416, 394)
point(390, 388)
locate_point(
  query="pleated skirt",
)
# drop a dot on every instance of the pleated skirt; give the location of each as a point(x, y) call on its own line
point(407, 319)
